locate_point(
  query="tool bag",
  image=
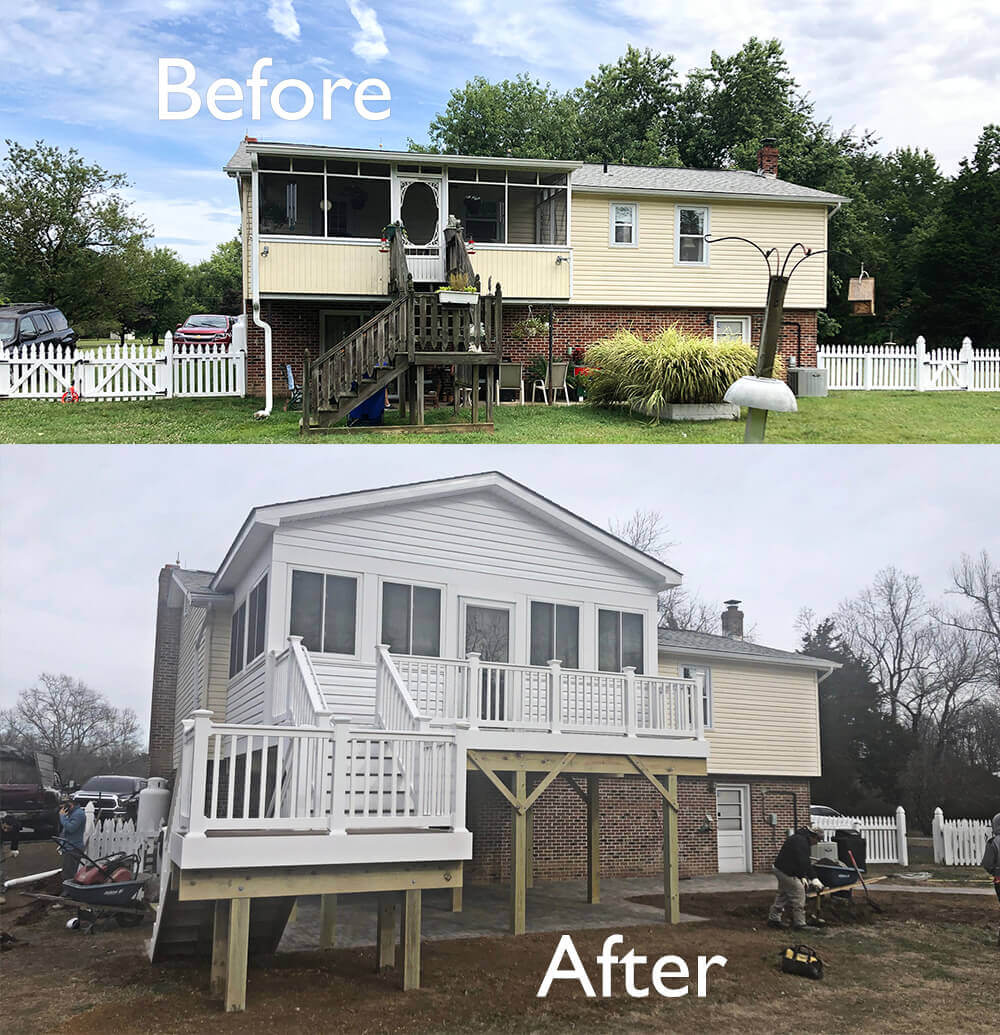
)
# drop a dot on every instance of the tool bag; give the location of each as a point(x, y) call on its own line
point(803, 961)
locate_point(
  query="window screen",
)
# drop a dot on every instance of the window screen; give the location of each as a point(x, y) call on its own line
point(324, 611)
point(555, 634)
point(411, 619)
point(619, 641)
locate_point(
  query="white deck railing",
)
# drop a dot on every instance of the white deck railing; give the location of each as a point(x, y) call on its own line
point(296, 697)
point(547, 699)
point(395, 709)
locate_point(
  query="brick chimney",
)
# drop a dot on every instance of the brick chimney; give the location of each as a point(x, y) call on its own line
point(732, 620)
point(767, 157)
point(165, 657)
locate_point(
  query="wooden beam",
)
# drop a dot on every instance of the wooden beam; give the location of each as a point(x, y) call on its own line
point(456, 900)
point(518, 858)
point(388, 915)
point(529, 851)
point(237, 946)
point(327, 921)
point(411, 940)
point(671, 895)
point(420, 394)
point(606, 764)
point(491, 775)
point(548, 778)
point(669, 797)
point(580, 792)
point(220, 946)
point(593, 840)
point(405, 429)
point(412, 391)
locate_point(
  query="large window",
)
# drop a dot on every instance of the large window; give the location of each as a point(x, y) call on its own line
point(691, 228)
point(324, 611)
point(411, 619)
point(619, 640)
point(732, 328)
point(624, 228)
point(692, 672)
point(291, 205)
point(513, 206)
point(555, 634)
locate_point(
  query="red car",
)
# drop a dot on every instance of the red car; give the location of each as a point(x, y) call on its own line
point(205, 329)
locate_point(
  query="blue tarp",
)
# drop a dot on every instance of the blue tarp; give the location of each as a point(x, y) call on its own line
point(370, 411)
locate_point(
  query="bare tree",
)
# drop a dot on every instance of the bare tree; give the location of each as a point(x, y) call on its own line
point(646, 530)
point(977, 581)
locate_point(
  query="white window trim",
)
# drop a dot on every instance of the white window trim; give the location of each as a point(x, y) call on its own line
point(746, 326)
point(634, 243)
point(707, 709)
point(441, 587)
point(677, 235)
point(358, 605)
point(598, 608)
point(578, 604)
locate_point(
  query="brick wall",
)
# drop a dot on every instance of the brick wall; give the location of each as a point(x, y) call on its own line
point(578, 326)
point(631, 827)
point(295, 328)
point(165, 655)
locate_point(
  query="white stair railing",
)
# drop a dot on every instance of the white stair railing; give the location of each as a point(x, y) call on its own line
point(395, 708)
point(294, 690)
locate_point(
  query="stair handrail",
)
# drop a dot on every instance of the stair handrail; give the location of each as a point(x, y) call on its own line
point(382, 314)
point(394, 706)
point(294, 691)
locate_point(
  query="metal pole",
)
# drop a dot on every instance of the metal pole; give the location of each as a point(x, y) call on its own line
point(776, 288)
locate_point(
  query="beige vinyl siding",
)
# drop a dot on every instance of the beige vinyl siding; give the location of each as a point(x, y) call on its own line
point(216, 691)
point(323, 268)
point(523, 272)
point(520, 216)
point(765, 718)
point(647, 275)
point(202, 667)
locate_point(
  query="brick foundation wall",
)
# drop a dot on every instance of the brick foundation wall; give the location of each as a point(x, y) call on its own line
point(295, 327)
point(631, 827)
point(164, 696)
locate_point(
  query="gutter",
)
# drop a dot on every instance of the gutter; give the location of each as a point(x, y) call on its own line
point(792, 661)
point(833, 211)
point(255, 287)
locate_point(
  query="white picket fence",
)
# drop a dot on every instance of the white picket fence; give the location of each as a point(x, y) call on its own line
point(122, 372)
point(111, 835)
point(910, 367)
point(959, 842)
point(885, 836)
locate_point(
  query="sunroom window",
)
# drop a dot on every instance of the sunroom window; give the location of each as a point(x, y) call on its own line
point(555, 634)
point(619, 640)
point(324, 611)
point(291, 204)
point(411, 619)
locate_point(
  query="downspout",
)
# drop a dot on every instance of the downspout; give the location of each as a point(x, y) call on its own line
point(255, 287)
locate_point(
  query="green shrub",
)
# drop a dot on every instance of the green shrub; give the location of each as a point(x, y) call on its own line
point(672, 367)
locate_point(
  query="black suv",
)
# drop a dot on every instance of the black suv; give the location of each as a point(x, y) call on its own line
point(34, 323)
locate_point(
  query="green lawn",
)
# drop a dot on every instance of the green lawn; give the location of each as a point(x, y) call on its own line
point(843, 417)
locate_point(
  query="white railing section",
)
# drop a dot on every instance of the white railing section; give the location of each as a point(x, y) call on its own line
point(547, 699)
point(111, 835)
point(395, 709)
point(910, 367)
point(885, 836)
point(294, 690)
point(116, 372)
point(185, 776)
point(959, 842)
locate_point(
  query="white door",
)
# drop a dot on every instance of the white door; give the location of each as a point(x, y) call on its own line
point(488, 629)
point(421, 211)
point(732, 810)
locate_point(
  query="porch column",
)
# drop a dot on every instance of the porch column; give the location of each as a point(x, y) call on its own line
point(530, 850)
point(220, 942)
point(238, 942)
point(327, 920)
point(519, 854)
point(671, 895)
point(411, 378)
point(593, 840)
point(491, 374)
point(410, 939)
point(388, 912)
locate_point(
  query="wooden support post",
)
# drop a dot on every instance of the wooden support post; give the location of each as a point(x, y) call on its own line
point(388, 911)
point(671, 895)
point(420, 395)
point(518, 860)
point(593, 840)
point(327, 921)
point(238, 943)
point(220, 942)
point(411, 379)
point(491, 373)
point(456, 900)
point(530, 850)
point(474, 393)
point(411, 939)
point(401, 392)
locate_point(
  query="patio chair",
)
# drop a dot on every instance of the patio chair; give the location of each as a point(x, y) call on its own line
point(511, 379)
point(555, 380)
point(294, 400)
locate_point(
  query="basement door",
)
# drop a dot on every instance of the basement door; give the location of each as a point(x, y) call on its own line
point(732, 810)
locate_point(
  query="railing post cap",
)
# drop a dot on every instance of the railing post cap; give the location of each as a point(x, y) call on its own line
point(900, 811)
point(554, 661)
point(202, 713)
point(938, 812)
point(629, 670)
point(294, 639)
point(473, 654)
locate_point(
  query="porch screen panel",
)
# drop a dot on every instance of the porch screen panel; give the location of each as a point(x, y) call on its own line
point(291, 204)
point(426, 621)
point(357, 207)
point(632, 641)
point(609, 641)
point(307, 608)
point(396, 617)
point(340, 615)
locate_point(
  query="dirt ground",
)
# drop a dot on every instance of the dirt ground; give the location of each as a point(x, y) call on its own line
point(927, 962)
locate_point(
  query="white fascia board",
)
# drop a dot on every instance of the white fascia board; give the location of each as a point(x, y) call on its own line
point(655, 746)
point(816, 664)
point(625, 191)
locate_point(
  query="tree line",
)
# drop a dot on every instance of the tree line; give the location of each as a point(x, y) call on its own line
point(68, 237)
point(926, 238)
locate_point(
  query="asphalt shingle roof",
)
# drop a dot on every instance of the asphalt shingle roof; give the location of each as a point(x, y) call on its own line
point(193, 581)
point(678, 639)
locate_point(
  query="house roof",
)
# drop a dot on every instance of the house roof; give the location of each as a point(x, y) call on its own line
point(635, 179)
point(712, 645)
point(262, 521)
point(696, 183)
point(194, 586)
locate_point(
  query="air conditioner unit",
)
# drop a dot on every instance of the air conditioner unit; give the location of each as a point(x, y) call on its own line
point(808, 381)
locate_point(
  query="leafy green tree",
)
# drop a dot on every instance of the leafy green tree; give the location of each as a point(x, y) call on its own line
point(62, 222)
point(216, 285)
point(157, 299)
point(958, 270)
point(521, 117)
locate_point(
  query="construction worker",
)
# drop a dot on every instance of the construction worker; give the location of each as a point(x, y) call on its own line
point(991, 859)
point(10, 831)
point(794, 871)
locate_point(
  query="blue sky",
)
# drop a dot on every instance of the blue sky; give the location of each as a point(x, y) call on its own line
point(83, 72)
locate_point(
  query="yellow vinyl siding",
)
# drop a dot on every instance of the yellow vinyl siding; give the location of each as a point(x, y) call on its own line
point(218, 629)
point(323, 268)
point(765, 718)
point(523, 272)
point(647, 275)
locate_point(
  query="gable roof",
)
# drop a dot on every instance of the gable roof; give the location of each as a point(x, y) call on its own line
point(737, 183)
point(262, 521)
point(713, 645)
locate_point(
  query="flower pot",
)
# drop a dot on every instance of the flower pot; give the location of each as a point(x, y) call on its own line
point(459, 297)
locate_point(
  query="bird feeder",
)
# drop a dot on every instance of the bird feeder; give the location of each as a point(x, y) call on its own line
point(861, 294)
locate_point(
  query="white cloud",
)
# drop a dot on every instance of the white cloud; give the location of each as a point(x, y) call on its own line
point(281, 14)
point(369, 43)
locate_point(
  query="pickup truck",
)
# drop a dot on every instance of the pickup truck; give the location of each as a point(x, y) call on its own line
point(26, 791)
